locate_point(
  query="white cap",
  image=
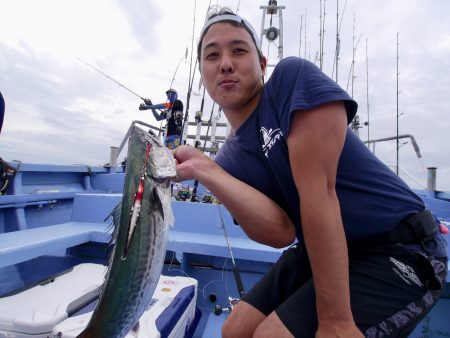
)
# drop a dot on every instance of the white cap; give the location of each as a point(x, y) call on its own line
point(235, 18)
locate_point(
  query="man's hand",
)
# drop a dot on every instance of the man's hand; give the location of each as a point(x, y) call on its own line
point(143, 106)
point(341, 331)
point(178, 115)
point(190, 162)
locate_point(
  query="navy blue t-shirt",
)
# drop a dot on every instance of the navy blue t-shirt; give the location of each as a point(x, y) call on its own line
point(372, 198)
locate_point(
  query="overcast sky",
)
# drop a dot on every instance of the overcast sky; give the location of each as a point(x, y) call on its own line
point(58, 110)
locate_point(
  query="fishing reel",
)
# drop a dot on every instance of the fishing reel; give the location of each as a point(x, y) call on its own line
point(218, 309)
point(6, 174)
point(198, 116)
point(182, 195)
point(182, 192)
point(208, 198)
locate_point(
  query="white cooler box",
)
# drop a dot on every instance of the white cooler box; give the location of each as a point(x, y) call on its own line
point(43, 310)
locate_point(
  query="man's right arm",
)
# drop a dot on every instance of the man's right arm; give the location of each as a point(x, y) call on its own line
point(260, 217)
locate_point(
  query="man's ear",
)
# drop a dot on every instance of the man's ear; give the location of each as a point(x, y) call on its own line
point(263, 64)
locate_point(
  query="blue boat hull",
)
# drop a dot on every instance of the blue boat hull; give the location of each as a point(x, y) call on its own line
point(53, 218)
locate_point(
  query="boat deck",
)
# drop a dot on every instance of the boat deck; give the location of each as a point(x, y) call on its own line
point(52, 224)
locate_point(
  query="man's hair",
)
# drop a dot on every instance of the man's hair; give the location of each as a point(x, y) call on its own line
point(224, 14)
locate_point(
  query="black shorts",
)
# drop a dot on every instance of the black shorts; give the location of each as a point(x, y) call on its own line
point(391, 289)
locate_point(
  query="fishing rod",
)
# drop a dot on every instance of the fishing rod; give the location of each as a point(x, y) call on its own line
point(351, 73)
point(194, 190)
point(322, 32)
point(171, 83)
point(176, 69)
point(338, 39)
point(191, 77)
point(191, 73)
point(188, 100)
point(109, 77)
point(237, 7)
point(218, 309)
point(236, 273)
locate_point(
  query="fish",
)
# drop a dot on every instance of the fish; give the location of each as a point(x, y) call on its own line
point(141, 225)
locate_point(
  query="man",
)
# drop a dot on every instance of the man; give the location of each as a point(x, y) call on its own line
point(173, 113)
point(292, 169)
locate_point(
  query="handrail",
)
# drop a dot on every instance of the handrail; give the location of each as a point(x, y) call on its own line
point(115, 151)
point(413, 141)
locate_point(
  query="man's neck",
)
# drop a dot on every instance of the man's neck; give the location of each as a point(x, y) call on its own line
point(237, 117)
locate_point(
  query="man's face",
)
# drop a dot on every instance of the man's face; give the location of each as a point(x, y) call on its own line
point(230, 67)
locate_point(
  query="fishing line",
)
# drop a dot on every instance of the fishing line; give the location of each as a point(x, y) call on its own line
point(218, 280)
point(203, 289)
point(169, 268)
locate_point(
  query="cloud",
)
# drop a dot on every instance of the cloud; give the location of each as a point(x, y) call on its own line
point(60, 110)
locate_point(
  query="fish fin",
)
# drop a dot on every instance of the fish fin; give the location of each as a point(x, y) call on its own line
point(115, 222)
point(115, 215)
point(135, 330)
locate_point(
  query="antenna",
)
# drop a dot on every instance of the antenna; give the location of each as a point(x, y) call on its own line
point(273, 33)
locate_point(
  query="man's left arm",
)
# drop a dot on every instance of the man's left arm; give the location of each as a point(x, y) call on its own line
point(149, 105)
point(315, 142)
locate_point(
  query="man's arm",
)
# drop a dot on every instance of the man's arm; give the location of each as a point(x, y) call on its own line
point(260, 217)
point(315, 142)
point(149, 105)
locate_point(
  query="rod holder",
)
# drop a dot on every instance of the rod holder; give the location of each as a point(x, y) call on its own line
point(113, 157)
point(431, 179)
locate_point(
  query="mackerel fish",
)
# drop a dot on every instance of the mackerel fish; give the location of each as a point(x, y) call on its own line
point(141, 226)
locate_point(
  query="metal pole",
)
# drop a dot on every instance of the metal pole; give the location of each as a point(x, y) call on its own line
point(367, 92)
point(113, 157)
point(411, 137)
point(280, 38)
point(431, 179)
point(398, 143)
point(337, 40)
